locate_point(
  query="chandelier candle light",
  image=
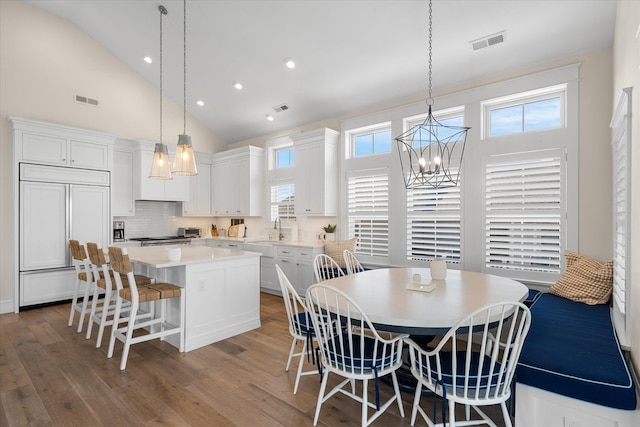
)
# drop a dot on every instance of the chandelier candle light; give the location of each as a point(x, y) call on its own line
point(184, 162)
point(161, 164)
point(431, 153)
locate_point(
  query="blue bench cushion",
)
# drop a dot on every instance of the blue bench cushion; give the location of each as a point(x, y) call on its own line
point(572, 350)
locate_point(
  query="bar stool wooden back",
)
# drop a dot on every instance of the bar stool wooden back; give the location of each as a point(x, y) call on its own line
point(83, 277)
point(136, 294)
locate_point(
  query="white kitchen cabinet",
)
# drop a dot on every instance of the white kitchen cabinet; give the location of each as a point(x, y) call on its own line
point(123, 203)
point(199, 203)
point(316, 172)
point(145, 188)
point(297, 265)
point(268, 276)
point(238, 182)
point(225, 244)
point(58, 145)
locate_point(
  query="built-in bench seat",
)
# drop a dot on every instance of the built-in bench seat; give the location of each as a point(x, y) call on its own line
point(572, 350)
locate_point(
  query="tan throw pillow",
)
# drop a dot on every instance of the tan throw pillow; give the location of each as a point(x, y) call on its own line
point(585, 280)
point(335, 250)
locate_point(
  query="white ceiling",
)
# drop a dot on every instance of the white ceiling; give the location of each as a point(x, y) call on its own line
point(350, 55)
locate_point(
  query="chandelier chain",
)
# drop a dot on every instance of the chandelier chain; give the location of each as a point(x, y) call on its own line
point(430, 99)
point(184, 118)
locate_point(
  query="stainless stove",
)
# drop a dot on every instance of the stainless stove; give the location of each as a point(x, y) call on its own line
point(163, 240)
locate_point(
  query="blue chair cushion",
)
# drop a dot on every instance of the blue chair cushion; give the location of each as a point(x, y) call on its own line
point(532, 297)
point(572, 350)
point(483, 380)
point(303, 322)
point(368, 361)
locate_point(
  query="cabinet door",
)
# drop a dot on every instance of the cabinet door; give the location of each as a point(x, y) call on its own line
point(122, 184)
point(89, 155)
point(199, 203)
point(44, 149)
point(302, 180)
point(43, 226)
point(90, 214)
point(217, 188)
point(288, 266)
point(268, 275)
point(150, 189)
point(241, 188)
point(177, 189)
point(304, 276)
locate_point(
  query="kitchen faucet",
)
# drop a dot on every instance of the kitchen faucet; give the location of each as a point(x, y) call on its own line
point(277, 222)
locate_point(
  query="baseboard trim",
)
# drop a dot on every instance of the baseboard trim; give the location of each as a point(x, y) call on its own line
point(6, 306)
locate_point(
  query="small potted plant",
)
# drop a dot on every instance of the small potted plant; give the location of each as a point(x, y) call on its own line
point(329, 230)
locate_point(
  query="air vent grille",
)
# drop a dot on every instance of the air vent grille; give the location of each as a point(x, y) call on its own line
point(487, 41)
point(281, 107)
point(86, 100)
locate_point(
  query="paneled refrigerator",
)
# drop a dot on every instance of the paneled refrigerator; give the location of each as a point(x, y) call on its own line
point(58, 204)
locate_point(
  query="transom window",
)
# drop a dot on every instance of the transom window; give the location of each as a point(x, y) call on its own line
point(451, 117)
point(284, 158)
point(525, 112)
point(367, 142)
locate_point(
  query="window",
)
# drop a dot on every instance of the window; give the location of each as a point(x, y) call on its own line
point(525, 112)
point(284, 158)
point(433, 224)
point(620, 145)
point(368, 211)
point(371, 141)
point(283, 201)
point(451, 117)
point(525, 214)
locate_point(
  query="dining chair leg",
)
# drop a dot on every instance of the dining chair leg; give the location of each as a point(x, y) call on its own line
point(300, 363)
point(323, 386)
point(505, 414)
point(293, 346)
point(452, 413)
point(365, 404)
point(396, 389)
point(416, 403)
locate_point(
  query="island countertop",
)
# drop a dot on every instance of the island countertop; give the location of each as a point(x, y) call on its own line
point(157, 256)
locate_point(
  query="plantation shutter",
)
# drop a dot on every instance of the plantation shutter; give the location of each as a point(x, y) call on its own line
point(433, 223)
point(368, 211)
point(282, 201)
point(525, 214)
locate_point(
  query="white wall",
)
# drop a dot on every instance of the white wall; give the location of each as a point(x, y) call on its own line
point(626, 73)
point(44, 62)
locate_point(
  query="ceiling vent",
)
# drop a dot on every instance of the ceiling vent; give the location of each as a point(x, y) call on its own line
point(487, 41)
point(281, 107)
point(86, 100)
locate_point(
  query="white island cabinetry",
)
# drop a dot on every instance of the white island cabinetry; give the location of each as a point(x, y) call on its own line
point(221, 288)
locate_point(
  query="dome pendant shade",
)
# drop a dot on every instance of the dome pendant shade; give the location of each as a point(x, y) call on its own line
point(160, 164)
point(184, 162)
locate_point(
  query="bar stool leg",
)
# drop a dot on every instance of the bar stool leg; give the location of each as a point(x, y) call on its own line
point(85, 303)
point(129, 335)
point(74, 301)
point(103, 316)
point(114, 327)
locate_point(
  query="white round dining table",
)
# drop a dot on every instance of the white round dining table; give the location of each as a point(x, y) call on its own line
point(383, 297)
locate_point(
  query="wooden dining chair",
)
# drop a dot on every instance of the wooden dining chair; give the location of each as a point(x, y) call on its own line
point(350, 346)
point(83, 278)
point(325, 268)
point(300, 326)
point(136, 294)
point(352, 263)
point(473, 364)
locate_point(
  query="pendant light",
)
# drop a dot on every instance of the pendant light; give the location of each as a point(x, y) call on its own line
point(184, 162)
point(431, 153)
point(161, 164)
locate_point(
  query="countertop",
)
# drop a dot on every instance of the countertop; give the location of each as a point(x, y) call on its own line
point(265, 241)
point(157, 256)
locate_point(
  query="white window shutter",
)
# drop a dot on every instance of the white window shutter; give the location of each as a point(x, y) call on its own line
point(368, 211)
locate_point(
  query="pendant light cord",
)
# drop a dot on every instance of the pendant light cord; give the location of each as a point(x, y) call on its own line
point(430, 99)
point(163, 11)
point(185, 69)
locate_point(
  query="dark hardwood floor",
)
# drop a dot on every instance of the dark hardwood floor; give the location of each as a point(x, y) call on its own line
point(52, 376)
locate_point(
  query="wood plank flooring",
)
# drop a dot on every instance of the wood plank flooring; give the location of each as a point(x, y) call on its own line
point(52, 376)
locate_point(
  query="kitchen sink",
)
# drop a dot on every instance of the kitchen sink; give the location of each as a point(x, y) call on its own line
point(266, 248)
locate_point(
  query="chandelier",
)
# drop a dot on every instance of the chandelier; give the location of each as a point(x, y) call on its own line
point(160, 164)
point(184, 162)
point(431, 153)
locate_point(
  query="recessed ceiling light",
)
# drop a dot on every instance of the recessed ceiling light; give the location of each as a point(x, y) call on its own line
point(200, 103)
point(237, 85)
point(147, 59)
point(269, 117)
point(289, 63)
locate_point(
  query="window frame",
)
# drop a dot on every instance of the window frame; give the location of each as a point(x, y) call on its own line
point(352, 134)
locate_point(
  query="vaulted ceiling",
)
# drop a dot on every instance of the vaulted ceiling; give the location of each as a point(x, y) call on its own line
point(350, 55)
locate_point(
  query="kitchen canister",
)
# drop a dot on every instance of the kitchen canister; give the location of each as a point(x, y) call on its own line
point(438, 267)
point(174, 254)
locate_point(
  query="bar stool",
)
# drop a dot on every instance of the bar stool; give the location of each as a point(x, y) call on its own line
point(137, 294)
point(102, 309)
point(83, 276)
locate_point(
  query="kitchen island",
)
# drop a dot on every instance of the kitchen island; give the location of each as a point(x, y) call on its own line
point(221, 289)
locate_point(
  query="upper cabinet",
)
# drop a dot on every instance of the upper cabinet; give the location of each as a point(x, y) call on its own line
point(316, 172)
point(58, 145)
point(123, 203)
point(237, 187)
point(199, 203)
point(145, 188)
